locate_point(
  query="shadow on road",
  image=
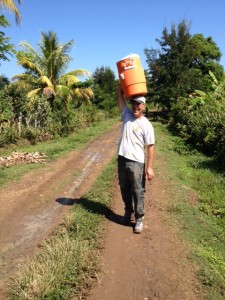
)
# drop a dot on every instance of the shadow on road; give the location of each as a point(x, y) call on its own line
point(95, 208)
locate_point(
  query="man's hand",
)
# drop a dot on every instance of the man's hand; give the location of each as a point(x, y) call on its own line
point(149, 173)
point(150, 158)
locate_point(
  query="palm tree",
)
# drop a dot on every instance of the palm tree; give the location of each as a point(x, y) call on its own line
point(45, 71)
point(10, 6)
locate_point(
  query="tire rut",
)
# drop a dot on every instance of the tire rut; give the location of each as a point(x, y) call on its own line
point(35, 205)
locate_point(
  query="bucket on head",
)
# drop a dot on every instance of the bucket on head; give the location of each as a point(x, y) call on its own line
point(131, 76)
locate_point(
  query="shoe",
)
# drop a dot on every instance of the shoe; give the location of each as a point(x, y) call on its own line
point(139, 226)
point(127, 218)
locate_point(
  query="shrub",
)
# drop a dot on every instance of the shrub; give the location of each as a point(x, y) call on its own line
point(207, 129)
point(201, 124)
point(9, 134)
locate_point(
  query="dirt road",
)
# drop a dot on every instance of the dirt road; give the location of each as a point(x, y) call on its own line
point(152, 265)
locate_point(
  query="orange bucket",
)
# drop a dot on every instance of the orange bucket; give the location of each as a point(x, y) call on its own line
point(131, 76)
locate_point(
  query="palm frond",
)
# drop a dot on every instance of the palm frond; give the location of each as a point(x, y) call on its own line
point(29, 65)
point(35, 92)
point(79, 73)
point(27, 48)
point(84, 94)
point(11, 7)
point(55, 55)
point(44, 80)
point(68, 79)
point(24, 77)
point(26, 81)
point(63, 91)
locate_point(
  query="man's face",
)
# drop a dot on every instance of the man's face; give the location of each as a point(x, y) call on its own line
point(137, 108)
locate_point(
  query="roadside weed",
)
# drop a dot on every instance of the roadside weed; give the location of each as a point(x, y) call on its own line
point(199, 207)
point(67, 262)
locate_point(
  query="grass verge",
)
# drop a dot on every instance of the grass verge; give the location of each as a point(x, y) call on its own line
point(198, 207)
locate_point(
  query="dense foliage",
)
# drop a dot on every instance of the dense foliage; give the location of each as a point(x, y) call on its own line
point(185, 77)
point(36, 122)
point(45, 102)
point(5, 47)
point(104, 88)
point(181, 65)
point(200, 119)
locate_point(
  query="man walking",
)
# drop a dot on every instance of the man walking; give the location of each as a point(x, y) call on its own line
point(137, 136)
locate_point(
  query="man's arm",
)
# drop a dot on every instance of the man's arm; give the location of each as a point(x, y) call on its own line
point(149, 162)
point(120, 100)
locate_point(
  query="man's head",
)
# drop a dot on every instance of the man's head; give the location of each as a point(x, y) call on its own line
point(138, 106)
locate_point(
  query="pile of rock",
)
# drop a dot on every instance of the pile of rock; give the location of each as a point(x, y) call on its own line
point(22, 158)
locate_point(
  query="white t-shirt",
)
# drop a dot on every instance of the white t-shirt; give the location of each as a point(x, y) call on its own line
point(135, 135)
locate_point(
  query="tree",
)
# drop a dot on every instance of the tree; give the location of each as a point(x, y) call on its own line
point(5, 47)
point(104, 87)
point(181, 65)
point(207, 55)
point(105, 78)
point(4, 81)
point(44, 71)
point(11, 7)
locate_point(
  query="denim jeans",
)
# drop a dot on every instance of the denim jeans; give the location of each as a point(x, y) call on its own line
point(132, 185)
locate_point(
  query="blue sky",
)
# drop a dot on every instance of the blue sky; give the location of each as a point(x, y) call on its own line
point(106, 31)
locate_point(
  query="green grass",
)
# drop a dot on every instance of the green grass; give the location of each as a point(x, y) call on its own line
point(198, 206)
point(196, 186)
point(52, 149)
point(67, 263)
